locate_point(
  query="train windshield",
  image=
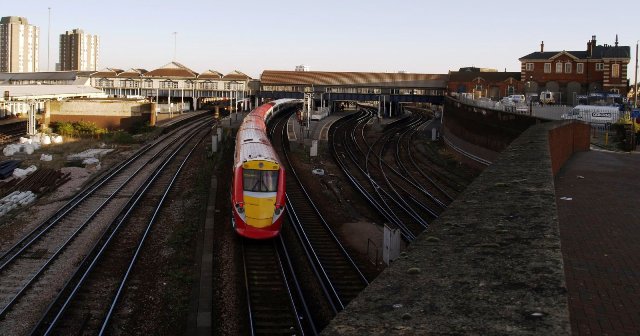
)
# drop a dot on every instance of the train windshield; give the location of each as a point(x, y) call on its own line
point(260, 180)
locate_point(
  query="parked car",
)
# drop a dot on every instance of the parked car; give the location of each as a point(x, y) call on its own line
point(518, 98)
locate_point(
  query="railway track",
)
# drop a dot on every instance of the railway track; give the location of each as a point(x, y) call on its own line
point(410, 198)
point(341, 278)
point(88, 301)
point(34, 269)
point(349, 151)
point(274, 298)
point(407, 194)
point(428, 173)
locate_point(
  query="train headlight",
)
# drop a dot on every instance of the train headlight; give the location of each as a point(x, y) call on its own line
point(278, 211)
point(239, 208)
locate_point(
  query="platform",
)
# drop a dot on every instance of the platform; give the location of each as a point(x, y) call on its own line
point(598, 208)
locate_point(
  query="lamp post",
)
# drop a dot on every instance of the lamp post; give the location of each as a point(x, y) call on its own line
point(233, 85)
point(635, 89)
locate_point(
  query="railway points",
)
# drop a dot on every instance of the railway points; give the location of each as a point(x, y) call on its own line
point(416, 321)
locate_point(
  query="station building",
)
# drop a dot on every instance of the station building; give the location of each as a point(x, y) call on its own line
point(176, 85)
point(389, 91)
point(599, 71)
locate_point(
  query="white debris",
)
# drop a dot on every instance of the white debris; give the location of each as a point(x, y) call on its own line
point(28, 148)
point(566, 198)
point(89, 153)
point(91, 164)
point(318, 171)
point(20, 173)
point(11, 149)
point(46, 140)
point(57, 139)
point(16, 199)
point(46, 157)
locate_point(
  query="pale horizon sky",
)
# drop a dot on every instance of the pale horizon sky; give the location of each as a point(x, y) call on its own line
point(373, 36)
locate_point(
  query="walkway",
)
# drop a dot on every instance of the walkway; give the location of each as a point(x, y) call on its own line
point(598, 198)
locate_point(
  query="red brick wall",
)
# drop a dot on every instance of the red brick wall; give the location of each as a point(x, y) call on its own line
point(565, 140)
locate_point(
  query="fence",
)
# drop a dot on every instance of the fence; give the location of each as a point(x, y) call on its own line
point(551, 112)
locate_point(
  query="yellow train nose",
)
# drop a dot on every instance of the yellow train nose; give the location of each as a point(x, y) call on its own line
point(259, 211)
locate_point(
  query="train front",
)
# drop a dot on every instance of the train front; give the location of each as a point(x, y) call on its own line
point(258, 199)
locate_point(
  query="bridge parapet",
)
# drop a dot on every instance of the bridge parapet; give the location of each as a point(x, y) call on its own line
point(491, 264)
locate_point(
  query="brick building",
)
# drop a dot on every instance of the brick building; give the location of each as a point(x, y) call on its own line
point(485, 82)
point(598, 71)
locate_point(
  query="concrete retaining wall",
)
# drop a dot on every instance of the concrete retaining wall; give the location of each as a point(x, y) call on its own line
point(107, 113)
point(488, 128)
point(491, 264)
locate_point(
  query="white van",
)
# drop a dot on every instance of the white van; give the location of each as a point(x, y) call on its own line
point(594, 114)
point(546, 97)
point(517, 98)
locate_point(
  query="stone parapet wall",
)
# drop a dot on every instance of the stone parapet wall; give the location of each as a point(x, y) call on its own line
point(490, 265)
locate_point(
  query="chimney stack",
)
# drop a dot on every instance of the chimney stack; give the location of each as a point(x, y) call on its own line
point(542, 46)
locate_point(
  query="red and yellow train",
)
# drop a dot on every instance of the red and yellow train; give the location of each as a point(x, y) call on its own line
point(258, 186)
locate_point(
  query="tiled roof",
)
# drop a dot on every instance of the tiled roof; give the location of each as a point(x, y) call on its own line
point(108, 72)
point(172, 69)
point(466, 76)
point(210, 74)
point(236, 75)
point(274, 77)
point(598, 52)
point(132, 73)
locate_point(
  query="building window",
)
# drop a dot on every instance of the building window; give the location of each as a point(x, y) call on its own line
point(567, 67)
point(599, 66)
point(615, 70)
point(529, 66)
point(580, 68)
point(547, 68)
point(615, 90)
point(169, 85)
point(558, 67)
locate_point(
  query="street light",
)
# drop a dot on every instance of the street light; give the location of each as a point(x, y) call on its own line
point(233, 84)
point(635, 89)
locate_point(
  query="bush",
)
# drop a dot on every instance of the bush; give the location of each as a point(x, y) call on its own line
point(78, 129)
point(121, 137)
point(63, 128)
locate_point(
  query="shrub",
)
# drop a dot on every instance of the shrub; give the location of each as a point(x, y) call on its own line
point(78, 129)
point(121, 137)
point(63, 128)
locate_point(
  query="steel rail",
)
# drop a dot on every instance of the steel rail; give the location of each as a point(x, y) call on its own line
point(65, 243)
point(47, 224)
point(67, 294)
point(299, 226)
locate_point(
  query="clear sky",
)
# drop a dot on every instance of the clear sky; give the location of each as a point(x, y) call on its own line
point(330, 35)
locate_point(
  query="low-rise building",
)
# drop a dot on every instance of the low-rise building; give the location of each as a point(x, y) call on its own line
point(598, 71)
point(176, 83)
point(484, 82)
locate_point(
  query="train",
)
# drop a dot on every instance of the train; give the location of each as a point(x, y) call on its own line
point(258, 192)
